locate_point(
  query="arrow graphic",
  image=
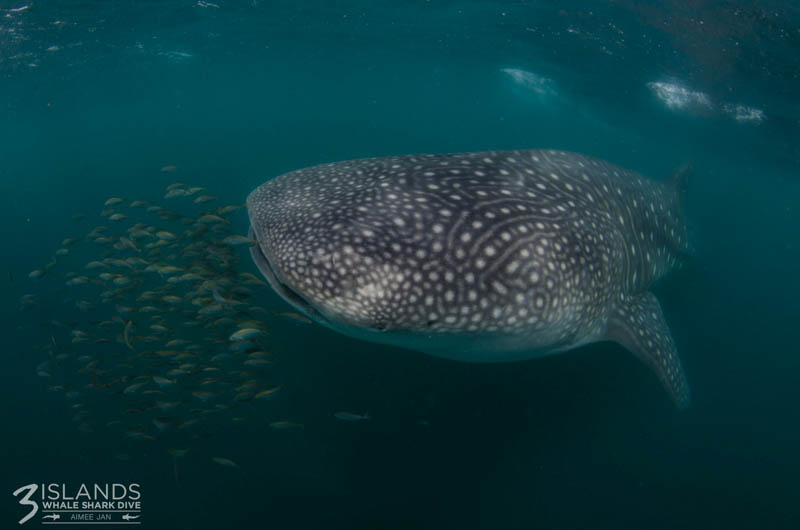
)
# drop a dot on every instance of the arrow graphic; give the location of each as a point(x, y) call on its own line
point(53, 516)
point(128, 517)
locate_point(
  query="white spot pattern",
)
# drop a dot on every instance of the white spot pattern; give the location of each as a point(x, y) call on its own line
point(534, 244)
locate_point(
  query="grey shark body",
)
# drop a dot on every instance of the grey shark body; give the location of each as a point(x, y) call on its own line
point(482, 257)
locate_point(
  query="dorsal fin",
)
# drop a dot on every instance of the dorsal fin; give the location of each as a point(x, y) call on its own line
point(679, 181)
point(677, 237)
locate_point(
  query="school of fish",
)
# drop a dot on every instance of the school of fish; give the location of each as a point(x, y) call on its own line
point(158, 334)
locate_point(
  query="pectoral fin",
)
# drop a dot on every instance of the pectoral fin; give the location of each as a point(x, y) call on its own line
point(638, 324)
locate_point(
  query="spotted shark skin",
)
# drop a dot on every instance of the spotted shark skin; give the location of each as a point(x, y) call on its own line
point(481, 257)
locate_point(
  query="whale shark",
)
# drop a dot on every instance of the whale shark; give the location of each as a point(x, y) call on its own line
point(480, 257)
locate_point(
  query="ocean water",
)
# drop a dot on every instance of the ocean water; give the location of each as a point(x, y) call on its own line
point(103, 99)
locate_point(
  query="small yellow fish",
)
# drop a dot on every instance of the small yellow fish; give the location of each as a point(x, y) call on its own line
point(137, 233)
point(163, 381)
point(127, 334)
point(128, 243)
point(84, 305)
point(250, 279)
point(227, 462)
point(133, 388)
point(189, 277)
point(238, 241)
point(138, 435)
point(243, 396)
point(166, 406)
point(250, 324)
point(229, 208)
point(112, 201)
point(204, 396)
point(176, 192)
point(295, 316)
point(211, 309)
point(285, 425)
point(166, 236)
point(257, 362)
point(211, 218)
point(268, 393)
point(245, 334)
point(247, 385)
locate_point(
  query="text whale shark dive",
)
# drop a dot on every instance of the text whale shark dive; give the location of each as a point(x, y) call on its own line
point(481, 257)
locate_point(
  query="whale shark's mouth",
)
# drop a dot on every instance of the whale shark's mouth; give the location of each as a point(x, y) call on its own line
point(286, 291)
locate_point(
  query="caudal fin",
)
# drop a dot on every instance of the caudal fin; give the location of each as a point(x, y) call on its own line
point(638, 324)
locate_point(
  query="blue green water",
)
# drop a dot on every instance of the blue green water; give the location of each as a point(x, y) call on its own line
point(96, 97)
